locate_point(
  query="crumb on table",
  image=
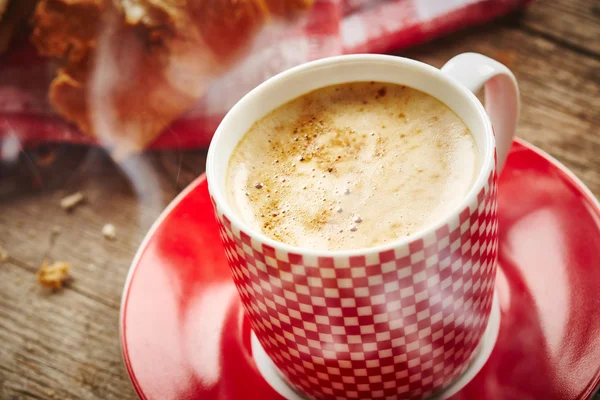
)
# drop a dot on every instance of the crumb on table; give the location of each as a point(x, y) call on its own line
point(53, 275)
point(109, 231)
point(3, 255)
point(71, 201)
point(44, 158)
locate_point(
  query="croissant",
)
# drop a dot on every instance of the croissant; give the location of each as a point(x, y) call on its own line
point(130, 67)
point(3, 6)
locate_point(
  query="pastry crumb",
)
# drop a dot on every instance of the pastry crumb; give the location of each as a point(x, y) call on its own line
point(109, 231)
point(53, 275)
point(3, 255)
point(71, 201)
point(56, 230)
point(46, 157)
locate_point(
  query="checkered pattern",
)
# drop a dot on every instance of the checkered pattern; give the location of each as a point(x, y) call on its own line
point(332, 27)
point(400, 323)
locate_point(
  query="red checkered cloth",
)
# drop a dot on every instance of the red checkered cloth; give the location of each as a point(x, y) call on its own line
point(332, 27)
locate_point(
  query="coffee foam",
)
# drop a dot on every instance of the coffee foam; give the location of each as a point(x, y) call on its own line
point(352, 166)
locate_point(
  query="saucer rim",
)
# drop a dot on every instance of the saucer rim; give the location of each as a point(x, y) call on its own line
point(576, 181)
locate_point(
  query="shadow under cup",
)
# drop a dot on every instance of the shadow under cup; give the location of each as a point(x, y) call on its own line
point(397, 320)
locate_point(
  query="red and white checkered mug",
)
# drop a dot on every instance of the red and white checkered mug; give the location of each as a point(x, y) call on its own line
point(400, 320)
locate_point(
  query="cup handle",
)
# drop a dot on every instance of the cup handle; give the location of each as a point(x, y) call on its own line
point(502, 103)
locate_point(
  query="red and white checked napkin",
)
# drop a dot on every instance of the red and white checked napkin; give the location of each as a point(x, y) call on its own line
point(332, 27)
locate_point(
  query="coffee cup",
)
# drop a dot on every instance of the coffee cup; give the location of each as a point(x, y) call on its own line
point(398, 320)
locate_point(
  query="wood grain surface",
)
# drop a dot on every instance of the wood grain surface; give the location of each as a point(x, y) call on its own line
point(65, 344)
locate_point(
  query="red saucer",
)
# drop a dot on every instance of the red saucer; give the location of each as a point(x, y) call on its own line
point(184, 335)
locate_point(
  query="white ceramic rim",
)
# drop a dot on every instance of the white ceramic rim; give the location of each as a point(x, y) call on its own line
point(487, 150)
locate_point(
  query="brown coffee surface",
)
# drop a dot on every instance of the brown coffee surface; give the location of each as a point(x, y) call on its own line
point(352, 166)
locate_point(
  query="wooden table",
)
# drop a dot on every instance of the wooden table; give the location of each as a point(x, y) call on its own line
point(65, 344)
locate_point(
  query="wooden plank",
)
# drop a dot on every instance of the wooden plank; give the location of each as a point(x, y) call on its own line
point(56, 345)
point(560, 91)
point(573, 23)
point(65, 345)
